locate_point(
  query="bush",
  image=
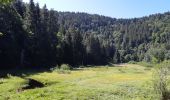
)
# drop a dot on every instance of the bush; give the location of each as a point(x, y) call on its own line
point(1, 34)
point(155, 55)
point(2, 81)
point(161, 81)
point(63, 69)
point(55, 68)
point(167, 55)
point(147, 58)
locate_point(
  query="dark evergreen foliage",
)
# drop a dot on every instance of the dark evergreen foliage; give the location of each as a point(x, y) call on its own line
point(37, 38)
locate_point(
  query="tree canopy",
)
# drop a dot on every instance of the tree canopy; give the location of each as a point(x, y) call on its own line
point(36, 37)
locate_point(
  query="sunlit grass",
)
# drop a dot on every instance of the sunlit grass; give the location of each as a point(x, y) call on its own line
point(125, 82)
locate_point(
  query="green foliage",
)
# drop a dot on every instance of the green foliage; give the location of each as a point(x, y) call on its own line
point(63, 69)
point(1, 34)
point(39, 37)
point(162, 80)
point(167, 55)
point(155, 55)
point(2, 81)
point(5, 1)
point(158, 54)
point(147, 58)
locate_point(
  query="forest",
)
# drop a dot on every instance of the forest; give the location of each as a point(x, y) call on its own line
point(47, 54)
point(34, 37)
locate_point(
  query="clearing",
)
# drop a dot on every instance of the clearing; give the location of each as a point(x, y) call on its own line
point(124, 82)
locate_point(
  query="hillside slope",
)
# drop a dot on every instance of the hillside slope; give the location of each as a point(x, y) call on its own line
point(32, 36)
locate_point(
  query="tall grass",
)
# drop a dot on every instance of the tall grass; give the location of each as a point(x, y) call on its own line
point(162, 80)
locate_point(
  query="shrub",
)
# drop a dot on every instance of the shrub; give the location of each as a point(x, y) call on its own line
point(55, 69)
point(2, 81)
point(9, 76)
point(167, 55)
point(1, 34)
point(161, 81)
point(147, 58)
point(63, 69)
point(155, 55)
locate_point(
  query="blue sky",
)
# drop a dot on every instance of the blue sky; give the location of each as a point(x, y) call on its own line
point(112, 8)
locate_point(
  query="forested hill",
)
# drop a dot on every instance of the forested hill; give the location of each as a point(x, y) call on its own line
point(34, 37)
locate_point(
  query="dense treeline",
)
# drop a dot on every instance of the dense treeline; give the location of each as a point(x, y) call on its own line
point(31, 36)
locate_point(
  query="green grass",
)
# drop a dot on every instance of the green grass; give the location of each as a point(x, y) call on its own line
point(125, 82)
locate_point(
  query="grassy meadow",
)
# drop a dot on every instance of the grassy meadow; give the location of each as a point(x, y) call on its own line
point(122, 82)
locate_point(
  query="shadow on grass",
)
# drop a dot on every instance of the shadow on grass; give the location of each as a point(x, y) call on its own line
point(21, 72)
point(24, 72)
point(166, 95)
point(77, 69)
